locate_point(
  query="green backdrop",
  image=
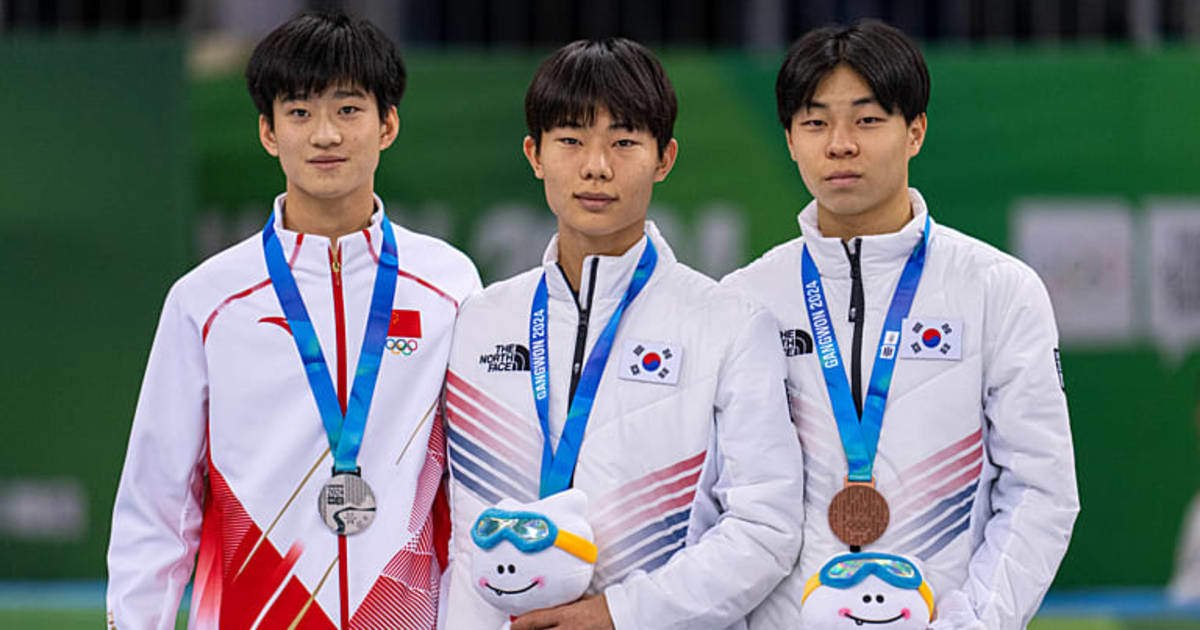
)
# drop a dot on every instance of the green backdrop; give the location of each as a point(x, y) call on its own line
point(127, 173)
point(94, 218)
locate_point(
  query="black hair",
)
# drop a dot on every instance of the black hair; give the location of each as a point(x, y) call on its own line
point(321, 48)
point(619, 74)
point(885, 57)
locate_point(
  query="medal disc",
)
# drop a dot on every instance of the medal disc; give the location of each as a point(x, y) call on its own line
point(346, 504)
point(858, 515)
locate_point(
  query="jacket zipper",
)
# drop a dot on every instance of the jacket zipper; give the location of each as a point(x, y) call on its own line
point(856, 318)
point(582, 330)
point(339, 318)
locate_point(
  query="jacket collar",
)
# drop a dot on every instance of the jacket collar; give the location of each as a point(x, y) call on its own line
point(613, 273)
point(358, 249)
point(879, 252)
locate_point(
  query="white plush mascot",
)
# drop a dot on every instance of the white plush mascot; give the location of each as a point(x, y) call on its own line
point(536, 555)
point(877, 589)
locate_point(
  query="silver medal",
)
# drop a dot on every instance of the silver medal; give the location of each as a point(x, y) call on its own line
point(346, 504)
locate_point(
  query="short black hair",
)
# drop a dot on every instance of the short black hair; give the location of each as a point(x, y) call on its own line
point(884, 56)
point(321, 48)
point(619, 74)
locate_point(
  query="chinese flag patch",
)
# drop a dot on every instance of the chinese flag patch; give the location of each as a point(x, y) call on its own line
point(405, 323)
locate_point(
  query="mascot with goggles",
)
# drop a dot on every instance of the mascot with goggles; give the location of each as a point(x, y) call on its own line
point(874, 589)
point(536, 555)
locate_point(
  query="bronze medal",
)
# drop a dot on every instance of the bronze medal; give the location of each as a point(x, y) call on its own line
point(858, 515)
point(346, 504)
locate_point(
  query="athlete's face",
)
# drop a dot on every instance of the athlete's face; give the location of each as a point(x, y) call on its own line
point(599, 179)
point(328, 143)
point(852, 153)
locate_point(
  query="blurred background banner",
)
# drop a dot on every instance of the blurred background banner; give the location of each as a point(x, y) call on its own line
point(1062, 131)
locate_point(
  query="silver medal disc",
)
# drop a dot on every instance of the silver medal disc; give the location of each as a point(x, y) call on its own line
point(346, 504)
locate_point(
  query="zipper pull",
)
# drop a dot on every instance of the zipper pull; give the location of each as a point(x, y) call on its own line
point(855, 277)
point(580, 337)
point(335, 260)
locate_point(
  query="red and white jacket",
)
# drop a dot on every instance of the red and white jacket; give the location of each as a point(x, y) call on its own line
point(227, 452)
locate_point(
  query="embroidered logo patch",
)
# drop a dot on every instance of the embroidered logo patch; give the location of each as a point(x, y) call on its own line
point(938, 338)
point(281, 322)
point(796, 342)
point(651, 361)
point(508, 357)
point(404, 331)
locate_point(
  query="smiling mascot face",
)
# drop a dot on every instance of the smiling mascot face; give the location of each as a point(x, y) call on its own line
point(863, 599)
point(544, 574)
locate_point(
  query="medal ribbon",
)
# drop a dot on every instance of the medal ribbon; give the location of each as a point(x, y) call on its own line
point(345, 433)
point(558, 467)
point(860, 437)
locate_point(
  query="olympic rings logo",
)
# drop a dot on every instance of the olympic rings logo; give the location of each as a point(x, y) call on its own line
point(400, 345)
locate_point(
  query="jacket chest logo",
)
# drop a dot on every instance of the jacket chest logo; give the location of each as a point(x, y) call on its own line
point(508, 357)
point(938, 338)
point(651, 361)
point(403, 335)
point(796, 342)
point(404, 332)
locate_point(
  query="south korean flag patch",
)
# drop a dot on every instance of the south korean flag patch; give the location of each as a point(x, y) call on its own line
point(651, 361)
point(936, 338)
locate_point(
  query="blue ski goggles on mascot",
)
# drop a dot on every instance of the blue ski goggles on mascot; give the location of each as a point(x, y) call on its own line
point(850, 569)
point(529, 532)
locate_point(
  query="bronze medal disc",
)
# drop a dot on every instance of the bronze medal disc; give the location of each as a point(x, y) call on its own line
point(346, 504)
point(858, 515)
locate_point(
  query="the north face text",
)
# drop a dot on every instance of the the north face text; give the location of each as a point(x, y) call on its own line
point(508, 357)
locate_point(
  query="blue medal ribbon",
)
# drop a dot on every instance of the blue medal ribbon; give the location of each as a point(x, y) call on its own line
point(860, 437)
point(558, 467)
point(345, 433)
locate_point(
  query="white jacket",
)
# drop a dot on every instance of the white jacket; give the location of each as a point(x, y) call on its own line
point(694, 488)
point(227, 451)
point(975, 455)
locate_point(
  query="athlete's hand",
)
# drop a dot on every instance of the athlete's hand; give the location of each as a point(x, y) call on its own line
point(589, 613)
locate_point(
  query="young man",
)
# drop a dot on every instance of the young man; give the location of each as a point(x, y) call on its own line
point(665, 401)
point(922, 363)
point(285, 429)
